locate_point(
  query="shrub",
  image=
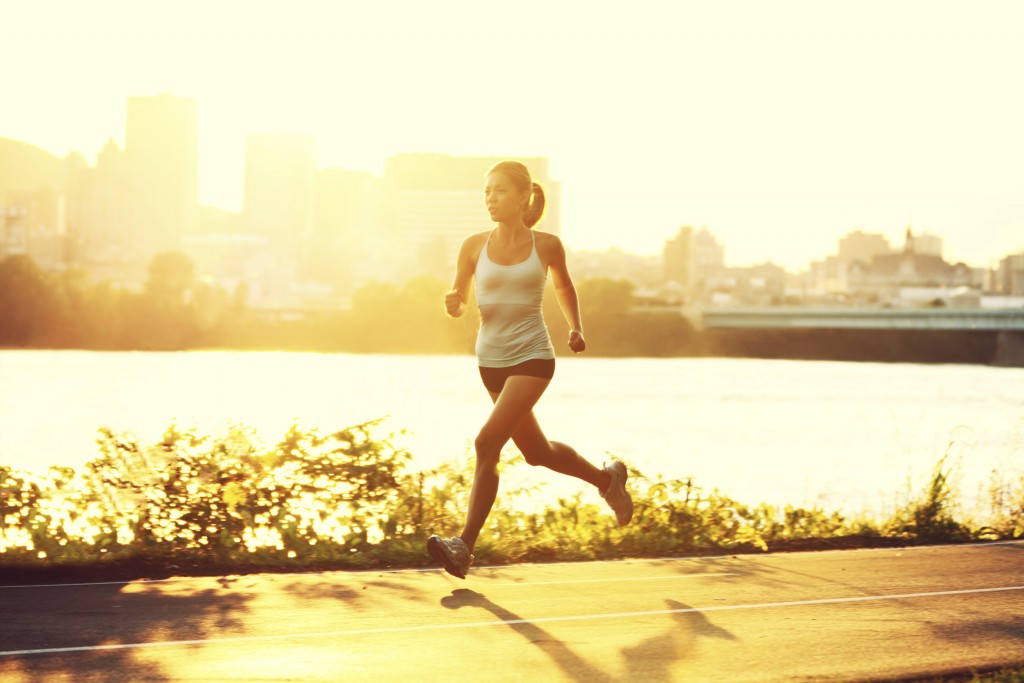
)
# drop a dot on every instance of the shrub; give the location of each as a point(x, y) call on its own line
point(347, 498)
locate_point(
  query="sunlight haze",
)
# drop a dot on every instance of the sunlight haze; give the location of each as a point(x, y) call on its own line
point(779, 126)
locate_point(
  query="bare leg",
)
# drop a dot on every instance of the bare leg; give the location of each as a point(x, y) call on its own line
point(514, 403)
point(555, 455)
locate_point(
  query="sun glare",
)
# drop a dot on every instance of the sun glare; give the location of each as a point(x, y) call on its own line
point(777, 126)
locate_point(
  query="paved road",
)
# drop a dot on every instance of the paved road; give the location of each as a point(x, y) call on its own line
point(828, 616)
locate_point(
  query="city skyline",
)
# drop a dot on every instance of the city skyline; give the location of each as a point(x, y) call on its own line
point(261, 211)
point(778, 128)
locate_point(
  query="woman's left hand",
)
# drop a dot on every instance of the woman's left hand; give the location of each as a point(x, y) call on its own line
point(576, 342)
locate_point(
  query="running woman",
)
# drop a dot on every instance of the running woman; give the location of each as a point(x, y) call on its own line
point(514, 351)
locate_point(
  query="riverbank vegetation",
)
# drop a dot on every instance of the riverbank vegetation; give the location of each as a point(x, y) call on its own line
point(349, 499)
point(1003, 675)
point(176, 311)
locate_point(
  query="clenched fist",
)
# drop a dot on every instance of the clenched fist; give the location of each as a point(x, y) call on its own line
point(453, 303)
point(576, 341)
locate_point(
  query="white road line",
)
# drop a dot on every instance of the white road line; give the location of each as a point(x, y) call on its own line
point(506, 622)
point(624, 578)
point(108, 583)
point(477, 570)
point(234, 577)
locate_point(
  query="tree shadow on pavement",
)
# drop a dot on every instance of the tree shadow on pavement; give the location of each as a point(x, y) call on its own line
point(983, 628)
point(111, 616)
point(733, 569)
point(360, 592)
point(747, 570)
point(571, 664)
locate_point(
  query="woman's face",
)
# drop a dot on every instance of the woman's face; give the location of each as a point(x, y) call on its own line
point(504, 201)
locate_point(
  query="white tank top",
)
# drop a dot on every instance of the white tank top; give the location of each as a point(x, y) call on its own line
point(512, 328)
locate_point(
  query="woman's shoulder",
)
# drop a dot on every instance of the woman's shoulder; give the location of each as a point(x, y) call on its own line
point(548, 242)
point(473, 245)
point(476, 238)
point(475, 241)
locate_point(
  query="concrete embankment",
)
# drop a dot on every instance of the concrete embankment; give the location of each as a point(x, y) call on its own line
point(984, 347)
point(939, 335)
point(1009, 350)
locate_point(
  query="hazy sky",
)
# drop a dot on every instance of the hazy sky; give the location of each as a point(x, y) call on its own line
point(779, 125)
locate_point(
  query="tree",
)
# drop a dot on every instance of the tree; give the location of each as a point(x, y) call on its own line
point(605, 298)
point(163, 317)
point(171, 278)
point(30, 303)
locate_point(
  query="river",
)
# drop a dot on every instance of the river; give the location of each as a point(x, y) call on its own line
point(855, 437)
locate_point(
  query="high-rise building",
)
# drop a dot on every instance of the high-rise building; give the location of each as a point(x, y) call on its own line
point(431, 202)
point(280, 186)
point(162, 161)
point(1010, 275)
point(929, 244)
point(708, 252)
point(34, 224)
point(680, 259)
point(862, 246)
point(342, 220)
point(342, 203)
point(100, 214)
point(32, 204)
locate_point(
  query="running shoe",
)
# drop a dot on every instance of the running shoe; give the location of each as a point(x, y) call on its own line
point(452, 553)
point(617, 496)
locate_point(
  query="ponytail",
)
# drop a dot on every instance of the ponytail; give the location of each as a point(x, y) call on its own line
point(536, 206)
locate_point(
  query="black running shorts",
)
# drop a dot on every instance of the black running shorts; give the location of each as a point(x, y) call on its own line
point(494, 378)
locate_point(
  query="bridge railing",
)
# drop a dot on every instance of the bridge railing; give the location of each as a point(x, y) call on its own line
point(860, 318)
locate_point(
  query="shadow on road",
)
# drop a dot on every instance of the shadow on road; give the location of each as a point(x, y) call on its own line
point(983, 628)
point(104, 615)
point(734, 569)
point(361, 595)
point(649, 660)
point(574, 666)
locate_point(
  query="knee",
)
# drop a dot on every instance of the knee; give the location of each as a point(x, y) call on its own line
point(488, 447)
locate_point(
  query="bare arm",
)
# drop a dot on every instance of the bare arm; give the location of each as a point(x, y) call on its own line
point(455, 300)
point(565, 292)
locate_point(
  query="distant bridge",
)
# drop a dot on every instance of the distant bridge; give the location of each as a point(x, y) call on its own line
point(865, 319)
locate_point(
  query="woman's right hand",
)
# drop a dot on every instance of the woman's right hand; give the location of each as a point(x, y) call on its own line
point(453, 303)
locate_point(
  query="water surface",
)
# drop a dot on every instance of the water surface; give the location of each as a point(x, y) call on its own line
point(845, 435)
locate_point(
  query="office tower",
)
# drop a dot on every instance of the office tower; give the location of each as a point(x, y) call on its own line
point(1010, 275)
point(162, 160)
point(708, 252)
point(342, 220)
point(862, 246)
point(32, 203)
point(927, 243)
point(101, 216)
point(280, 186)
point(680, 259)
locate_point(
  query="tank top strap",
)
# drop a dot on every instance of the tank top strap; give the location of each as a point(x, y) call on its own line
point(482, 256)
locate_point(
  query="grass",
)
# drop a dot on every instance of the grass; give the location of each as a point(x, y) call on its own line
point(1005, 675)
point(195, 504)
